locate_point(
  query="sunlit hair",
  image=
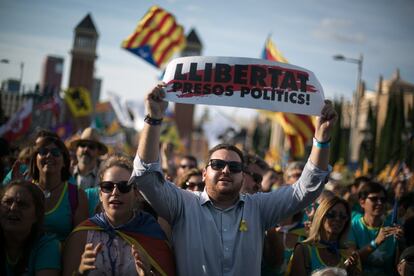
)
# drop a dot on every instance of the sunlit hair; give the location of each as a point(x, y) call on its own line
point(327, 271)
point(115, 160)
point(25, 154)
point(47, 140)
point(295, 165)
point(186, 176)
point(318, 221)
point(226, 147)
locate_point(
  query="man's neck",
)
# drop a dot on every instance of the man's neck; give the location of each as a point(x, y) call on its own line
point(372, 221)
point(84, 168)
point(223, 202)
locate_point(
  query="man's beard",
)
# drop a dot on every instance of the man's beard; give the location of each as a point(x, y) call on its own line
point(86, 158)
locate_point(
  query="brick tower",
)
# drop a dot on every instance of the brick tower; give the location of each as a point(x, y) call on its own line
point(82, 66)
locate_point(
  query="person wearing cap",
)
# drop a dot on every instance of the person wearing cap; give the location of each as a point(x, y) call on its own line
point(405, 266)
point(88, 150)
point(220, 227)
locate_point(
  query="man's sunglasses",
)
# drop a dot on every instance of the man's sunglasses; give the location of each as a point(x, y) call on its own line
point(377, 199)
point(333, 214)
point(92, 146)
point(54, 151)
point(256, 177)
point(218, 164)
point(108, 186)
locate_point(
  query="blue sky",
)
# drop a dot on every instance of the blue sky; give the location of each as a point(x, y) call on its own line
point(308, 32)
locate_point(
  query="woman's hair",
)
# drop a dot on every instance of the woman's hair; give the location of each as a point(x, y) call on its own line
point(115, 160)
point(25, 154)
point(319, 219)
point(186, 176)
point(328, 271)
point(47, 140)
point(37, 228)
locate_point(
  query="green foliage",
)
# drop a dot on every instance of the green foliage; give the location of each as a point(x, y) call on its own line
point(367, 149)
point(391, 147)
point(339, 139)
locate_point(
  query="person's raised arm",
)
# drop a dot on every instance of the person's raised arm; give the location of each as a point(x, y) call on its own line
point(148, 147)
point(324, 124)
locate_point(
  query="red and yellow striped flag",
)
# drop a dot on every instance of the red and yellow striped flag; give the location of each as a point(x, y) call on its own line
point(156, 38)
point(298, 128)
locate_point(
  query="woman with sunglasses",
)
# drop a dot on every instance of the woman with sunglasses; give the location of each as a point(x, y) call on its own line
point(192, 180)
point(26, 249)
point(65, 205)
point(326, 243)
point(373, 235)
point(121, 240)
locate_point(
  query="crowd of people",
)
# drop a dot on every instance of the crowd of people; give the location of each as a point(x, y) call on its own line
point(74, 209)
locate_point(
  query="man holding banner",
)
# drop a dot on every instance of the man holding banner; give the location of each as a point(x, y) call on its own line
point(220, 231)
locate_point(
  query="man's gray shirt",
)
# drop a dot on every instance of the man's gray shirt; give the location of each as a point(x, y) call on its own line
point(209, 241)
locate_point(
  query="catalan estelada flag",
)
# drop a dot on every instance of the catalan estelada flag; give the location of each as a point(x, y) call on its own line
point(271, 52)
point(156, 38)
point(298, 128)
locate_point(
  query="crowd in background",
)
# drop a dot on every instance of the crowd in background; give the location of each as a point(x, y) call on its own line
point(71, 208)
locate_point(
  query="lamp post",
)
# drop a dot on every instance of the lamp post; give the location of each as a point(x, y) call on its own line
point(353, 150)
point(7, 61)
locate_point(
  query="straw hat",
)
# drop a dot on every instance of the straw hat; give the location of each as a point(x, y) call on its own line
point(90, 135)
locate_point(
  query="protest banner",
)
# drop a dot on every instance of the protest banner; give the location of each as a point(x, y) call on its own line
point(243, 82)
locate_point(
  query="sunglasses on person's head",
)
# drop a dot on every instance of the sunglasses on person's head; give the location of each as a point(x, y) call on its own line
point(218, 164)
point(45, 151)
point(377, 199)
point(256, 177)
point(333, 214)
point(109, 186)
point(92, 146)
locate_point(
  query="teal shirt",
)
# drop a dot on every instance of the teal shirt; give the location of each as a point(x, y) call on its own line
point(316, 261)
point(45, 255)
point(92, 194)
point(382, 260)
point(59, 220)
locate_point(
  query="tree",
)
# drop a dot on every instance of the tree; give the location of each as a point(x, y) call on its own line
point(339, 138)
point(390, 147)
point(367, 150)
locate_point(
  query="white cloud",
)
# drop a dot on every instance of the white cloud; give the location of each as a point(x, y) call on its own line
point(338, 30)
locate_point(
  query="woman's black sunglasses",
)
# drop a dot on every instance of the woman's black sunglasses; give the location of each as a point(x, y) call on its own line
point(45, 151)
point(108, 186)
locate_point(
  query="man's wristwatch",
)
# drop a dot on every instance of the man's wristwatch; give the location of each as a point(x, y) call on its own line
point(152, 121)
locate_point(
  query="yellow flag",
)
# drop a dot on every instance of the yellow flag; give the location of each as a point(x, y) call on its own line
point(79, 101)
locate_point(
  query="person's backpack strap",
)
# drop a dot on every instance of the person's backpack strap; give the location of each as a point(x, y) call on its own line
point(73, 199)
